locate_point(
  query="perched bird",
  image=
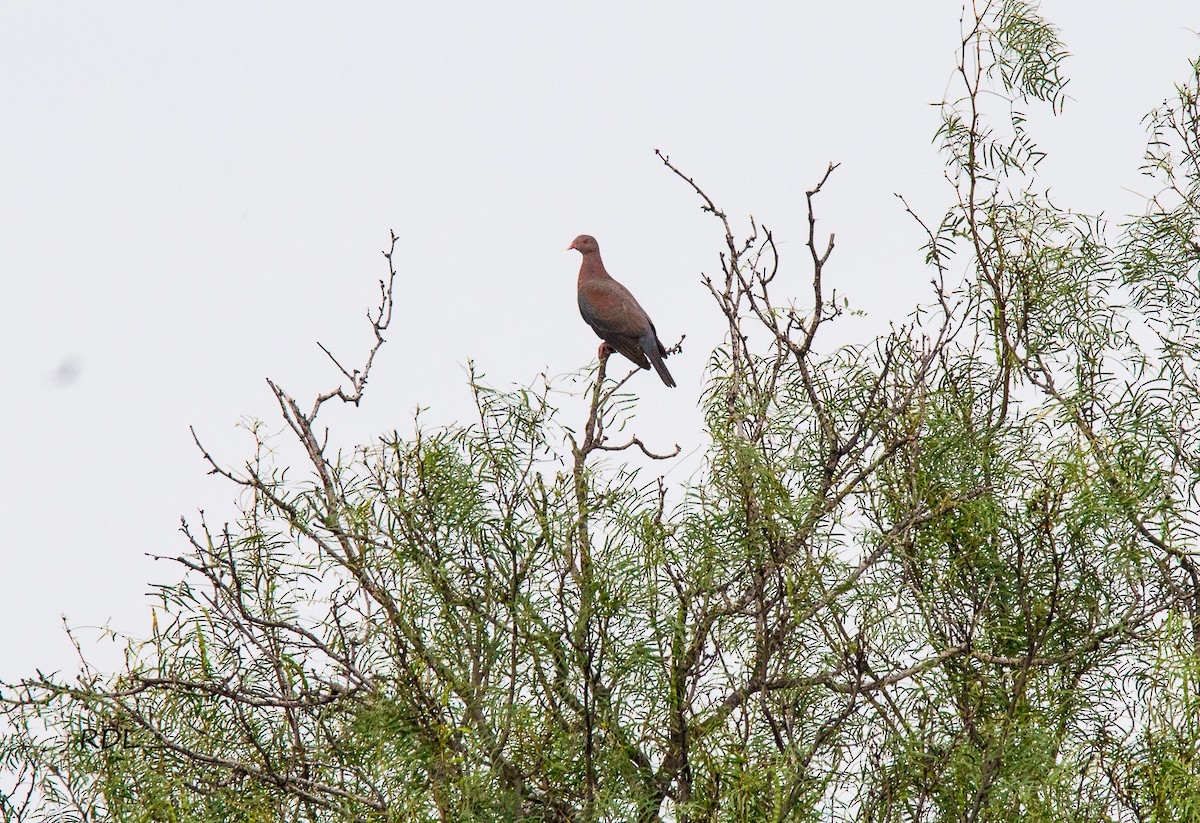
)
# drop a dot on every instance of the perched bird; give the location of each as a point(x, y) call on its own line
point(614, 314)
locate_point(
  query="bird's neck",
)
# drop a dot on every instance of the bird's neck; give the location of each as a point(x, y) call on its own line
point(592, 268)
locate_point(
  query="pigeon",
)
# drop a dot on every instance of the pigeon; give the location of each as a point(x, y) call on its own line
point(615, 315)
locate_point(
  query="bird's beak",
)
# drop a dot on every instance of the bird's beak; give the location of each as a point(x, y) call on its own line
point(570, 247)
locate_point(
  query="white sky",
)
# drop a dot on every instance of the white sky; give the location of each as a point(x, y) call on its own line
point(191, 197)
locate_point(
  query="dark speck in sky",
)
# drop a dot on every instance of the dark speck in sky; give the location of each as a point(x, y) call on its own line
point(67, 372)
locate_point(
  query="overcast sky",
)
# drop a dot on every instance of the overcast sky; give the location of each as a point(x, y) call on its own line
point(190, 198)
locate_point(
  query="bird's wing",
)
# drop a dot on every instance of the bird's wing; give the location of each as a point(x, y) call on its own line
point(612, 311)
point(616, 318)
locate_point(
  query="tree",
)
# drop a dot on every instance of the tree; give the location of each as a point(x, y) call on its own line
point(948, 574)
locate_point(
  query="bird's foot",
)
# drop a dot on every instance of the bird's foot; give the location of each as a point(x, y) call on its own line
point(604, 351)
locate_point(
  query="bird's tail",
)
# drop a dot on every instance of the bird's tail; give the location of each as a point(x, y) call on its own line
point(656, 354)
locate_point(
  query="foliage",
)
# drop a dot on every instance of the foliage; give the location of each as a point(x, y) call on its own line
point(948, 574)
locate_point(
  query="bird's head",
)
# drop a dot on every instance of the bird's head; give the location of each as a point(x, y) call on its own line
point(585, 244)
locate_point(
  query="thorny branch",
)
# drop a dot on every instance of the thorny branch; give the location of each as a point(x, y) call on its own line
point(857, 443)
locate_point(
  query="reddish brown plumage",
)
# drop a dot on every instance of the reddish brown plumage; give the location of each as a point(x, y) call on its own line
point(614, 314)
